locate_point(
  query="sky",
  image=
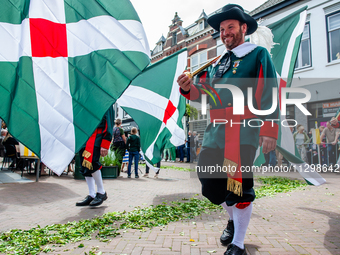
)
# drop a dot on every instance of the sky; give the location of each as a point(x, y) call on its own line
point(156, 15)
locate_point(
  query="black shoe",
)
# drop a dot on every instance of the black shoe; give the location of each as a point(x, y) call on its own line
point(129, 176)
point(235, 250)
point(228, 233)
point(99, 199)
point(87, 200)
point(136, 176)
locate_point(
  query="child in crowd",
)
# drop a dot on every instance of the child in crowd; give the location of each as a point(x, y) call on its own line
point(133, 146)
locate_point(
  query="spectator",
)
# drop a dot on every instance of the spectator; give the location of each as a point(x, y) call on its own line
point(118, 142)
point(173, 154)
point(196, 142)
point(9, 143)
point(147, 169)
point(192, 147)
point(133, 146)
point(270, 158)
point(181, 152)
point(188, 146)
point(279, 157)
point(166, 155)
point(125, 161)
point(300, 139)
point(330, 133)
point(323, 149)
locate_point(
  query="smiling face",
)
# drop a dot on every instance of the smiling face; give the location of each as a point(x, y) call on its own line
point(232, 33)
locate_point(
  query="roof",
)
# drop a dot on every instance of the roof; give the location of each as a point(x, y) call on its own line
point(266, 5)
point(203, 15)
point(162, 39)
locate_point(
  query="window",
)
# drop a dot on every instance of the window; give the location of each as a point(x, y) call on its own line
point(219, 47)
point(125, 115)
point(315, 109)
point(198, 60)
point(333, 24)
point(160, 47)
point(201, 26)
point(304, 55)
point(174, 39)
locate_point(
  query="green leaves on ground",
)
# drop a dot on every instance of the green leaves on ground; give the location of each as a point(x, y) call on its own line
point(36, 240)
point(273, 185)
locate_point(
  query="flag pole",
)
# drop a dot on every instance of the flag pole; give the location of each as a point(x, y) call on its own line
point(191, 75)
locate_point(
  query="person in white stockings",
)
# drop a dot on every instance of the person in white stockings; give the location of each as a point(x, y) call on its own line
point(97, 145)
point(228, 145)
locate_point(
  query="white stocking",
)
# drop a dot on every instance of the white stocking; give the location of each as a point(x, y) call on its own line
point(241, 221)
point(229, 209)
point(97, 176)
point(92, 186)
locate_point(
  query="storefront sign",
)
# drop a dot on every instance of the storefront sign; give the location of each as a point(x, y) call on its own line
point(330, 109)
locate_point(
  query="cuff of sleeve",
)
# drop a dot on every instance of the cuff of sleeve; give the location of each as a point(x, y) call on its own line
point(336, 126)
point(269, 129)
point(192, 94)
point(105, 144)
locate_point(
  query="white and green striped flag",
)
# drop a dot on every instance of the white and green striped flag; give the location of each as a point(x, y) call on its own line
point(287, 36)
point(63, 63)
point(154, 102)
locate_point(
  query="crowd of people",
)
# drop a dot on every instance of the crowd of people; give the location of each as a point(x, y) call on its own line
point(189, 149)
point(328, 147)
point(324, 151)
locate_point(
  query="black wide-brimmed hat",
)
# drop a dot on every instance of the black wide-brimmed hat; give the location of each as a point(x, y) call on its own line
point(233, 11)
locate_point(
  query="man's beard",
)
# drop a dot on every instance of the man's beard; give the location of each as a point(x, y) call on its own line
point(236, 40)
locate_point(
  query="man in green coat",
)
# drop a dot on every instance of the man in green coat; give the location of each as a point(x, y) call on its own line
point(231, 139)
point(97, 145)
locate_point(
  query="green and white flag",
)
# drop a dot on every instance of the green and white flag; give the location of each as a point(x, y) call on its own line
point(154, 102)
point(63, 63)
point(287, 36)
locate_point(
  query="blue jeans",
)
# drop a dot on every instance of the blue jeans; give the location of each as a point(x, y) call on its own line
point(270, 158)
point(331, 154)
point(188, 154)
point(181, 153)
point(133, 154)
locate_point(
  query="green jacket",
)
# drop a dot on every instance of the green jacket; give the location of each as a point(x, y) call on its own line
point(249, 64)
point(305, 140)
point(133, 143)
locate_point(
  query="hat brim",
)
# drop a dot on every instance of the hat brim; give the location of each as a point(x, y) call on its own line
point(233, 13)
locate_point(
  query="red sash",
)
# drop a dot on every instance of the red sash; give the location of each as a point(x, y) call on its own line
point(89, 147)
point(232, 158)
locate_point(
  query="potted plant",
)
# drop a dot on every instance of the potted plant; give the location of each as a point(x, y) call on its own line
point(110, 165)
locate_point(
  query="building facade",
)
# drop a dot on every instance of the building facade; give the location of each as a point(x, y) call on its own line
point(318, 65)
point(203, 45)
point(317, 68)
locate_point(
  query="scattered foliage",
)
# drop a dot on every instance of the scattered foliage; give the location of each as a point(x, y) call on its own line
point(36, 240)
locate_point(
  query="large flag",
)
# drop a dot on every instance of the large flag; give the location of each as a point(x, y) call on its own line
point(63, 63)
point(287, 36)
point(154, 102)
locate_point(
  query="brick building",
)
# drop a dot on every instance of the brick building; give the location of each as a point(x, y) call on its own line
point(203, 45)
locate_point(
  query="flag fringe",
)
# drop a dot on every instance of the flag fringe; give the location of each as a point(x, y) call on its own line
point(86, 154)
point(235, 187)
point(229, 166)
point(87, 164)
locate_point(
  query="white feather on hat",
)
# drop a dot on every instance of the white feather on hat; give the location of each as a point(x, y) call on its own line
point(263, 36)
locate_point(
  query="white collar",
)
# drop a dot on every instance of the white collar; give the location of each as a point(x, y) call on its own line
point(240, 51)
